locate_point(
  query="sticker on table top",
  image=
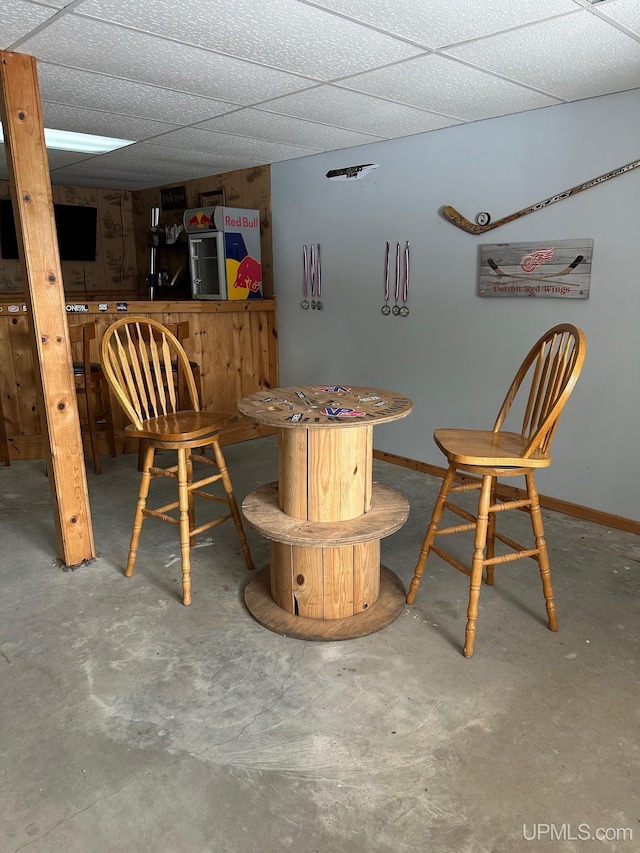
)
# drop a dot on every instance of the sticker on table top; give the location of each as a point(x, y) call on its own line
point(77, 308)
point(325, 404)
point(122, 306)
point(102, 306)
point(341, 412)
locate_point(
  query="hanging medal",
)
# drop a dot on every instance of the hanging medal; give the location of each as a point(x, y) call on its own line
point(404, 311)
point(305, 278)
point(385, 308)
point(396, 308)
point(313, 275)
point(319, 304)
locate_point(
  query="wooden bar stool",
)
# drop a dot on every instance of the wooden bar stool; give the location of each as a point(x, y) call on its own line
point(555, 363)
point(138, 358)
point(93, 389)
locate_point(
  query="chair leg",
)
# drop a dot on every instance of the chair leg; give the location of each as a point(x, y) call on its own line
point(89, 400)
point(138, 518)
point(4, 442)
point(108, 417)
point(233, 506)
point(192, 507)
point(543, 556)
point(184, 500)
point(482, 526)
point(430, 535)
point(491, 532)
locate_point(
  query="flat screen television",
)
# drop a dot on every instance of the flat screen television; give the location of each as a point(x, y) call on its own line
point(76, 227)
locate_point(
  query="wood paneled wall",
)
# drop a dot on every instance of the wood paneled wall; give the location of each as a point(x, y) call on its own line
point(124, 218)
point(114, 273)
point(250, 188)
point(234, 343)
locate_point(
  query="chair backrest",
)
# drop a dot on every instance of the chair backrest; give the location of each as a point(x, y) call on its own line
point(555, 362)
point(80, 337)
point(141, 359)
point(179, 330)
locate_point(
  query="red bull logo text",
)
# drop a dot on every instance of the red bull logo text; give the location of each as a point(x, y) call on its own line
point(241, 221)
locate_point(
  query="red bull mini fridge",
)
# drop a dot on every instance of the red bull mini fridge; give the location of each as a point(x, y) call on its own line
point(224, 252)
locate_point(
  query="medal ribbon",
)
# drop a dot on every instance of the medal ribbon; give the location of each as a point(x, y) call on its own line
point(313, 271)
point(386, 272)
point(305, 267)
point(318, 273)
point(405, 290)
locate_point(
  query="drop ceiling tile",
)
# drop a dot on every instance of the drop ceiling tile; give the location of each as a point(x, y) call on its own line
point(283, 34)
point(625, 12)
point(294, 131)
point(57, 4)
point(107, 179)
point(125, 170)
point(17, 18)
point(113, 94)
point(150, 156)
point(82, 120)
point(442, 85)
point(107, 49)
point(59, 159)
point(433, 23)
point(223, 143)
point(56, 159)
point(354, 111)
point(551, 56)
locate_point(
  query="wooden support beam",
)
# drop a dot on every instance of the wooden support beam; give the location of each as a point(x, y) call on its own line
point(21, 113)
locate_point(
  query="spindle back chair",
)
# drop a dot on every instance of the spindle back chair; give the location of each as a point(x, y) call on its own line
point(553, 365)
point(143, 361)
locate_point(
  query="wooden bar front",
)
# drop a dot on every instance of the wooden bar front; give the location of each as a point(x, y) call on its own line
point(235, 344)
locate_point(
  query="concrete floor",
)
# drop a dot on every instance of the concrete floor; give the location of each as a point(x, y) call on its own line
point(130, 723)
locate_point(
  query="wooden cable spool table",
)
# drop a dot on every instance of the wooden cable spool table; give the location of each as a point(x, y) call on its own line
point(325, 517)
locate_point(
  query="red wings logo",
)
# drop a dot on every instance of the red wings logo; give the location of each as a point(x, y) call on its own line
point(530, 262)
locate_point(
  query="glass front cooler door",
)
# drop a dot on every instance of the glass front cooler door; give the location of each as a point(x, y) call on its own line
point(206, 259)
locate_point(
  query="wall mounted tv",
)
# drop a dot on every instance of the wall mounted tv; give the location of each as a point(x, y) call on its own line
point(76, 227)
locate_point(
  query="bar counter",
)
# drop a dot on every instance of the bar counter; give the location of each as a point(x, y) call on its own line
point(234, 342)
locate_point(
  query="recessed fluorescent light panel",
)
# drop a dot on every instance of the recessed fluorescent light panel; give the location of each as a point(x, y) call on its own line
point(85, 143)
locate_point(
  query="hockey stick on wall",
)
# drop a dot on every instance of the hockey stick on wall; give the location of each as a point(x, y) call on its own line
point(566, 271)
point(458, 219)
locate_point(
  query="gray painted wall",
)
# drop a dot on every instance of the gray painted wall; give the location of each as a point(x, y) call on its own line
point(456, 353)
